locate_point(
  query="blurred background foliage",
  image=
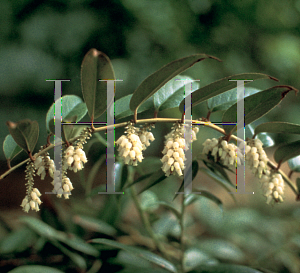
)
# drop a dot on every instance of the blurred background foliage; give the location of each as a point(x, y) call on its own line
point(48, 39)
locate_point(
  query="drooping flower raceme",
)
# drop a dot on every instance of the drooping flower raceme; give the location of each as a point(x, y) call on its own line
point(74, 158)
point(145, 136)
point(62, 186)
point(32, 198)
point(273, 186)
point(130, 145)
point(256, 157)
point(175, 145)
point(44, 164)
point(227, 153)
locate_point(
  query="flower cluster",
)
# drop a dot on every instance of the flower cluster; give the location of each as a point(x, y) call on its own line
point(273, 186)
point(44, 164)
point(256, 158)
point(74, 158)
point(32, 198)
point(175, 145)
point(62, 187)
point(130, 145)
point(183, 129)
point(145, 136)
point(221, 150)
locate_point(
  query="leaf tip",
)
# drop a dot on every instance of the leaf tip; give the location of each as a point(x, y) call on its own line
point(273, 78)
point(11, 124)
point(214, 58)
point(289, 88)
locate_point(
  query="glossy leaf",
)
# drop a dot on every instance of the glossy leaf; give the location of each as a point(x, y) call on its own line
point(256, 106)
point(147, 255)
point(225, 100)
point(175, 99)
point(294, 164)
point(287, 151)
point(96, 66)
point(278, 127)
point(172, 93)
point(35, 269)
point(71, 106)
point(266, 140)
point(10, 148)
point(224, 268)
point(25, 133)
point(122, 108)
point(159, 78)
point(221, 86)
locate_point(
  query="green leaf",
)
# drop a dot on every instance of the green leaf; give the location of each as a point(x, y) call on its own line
point(222, 249)
point(170, 207)
point(142, 269)
point(225, 100)
point(195, 168)
point(94, 224)
point(156, 178)
point(266, 140)
point(221, 86)
point(74, 257)
point(147, 255)
point(93, 173)
point(175, 99)
point(96, 66)
point(71, 131)
point(35, 269)
point(17, 241)
point(10, 148)
point(25, 133)
point(122, 108)
point(224, 268)
point(219, 179)
point(159, 78)
point(278, 127)
point(172, 93)
point(256, 106)
point(294, 164)
point(50, 233)
point(71, 106)
point(298, 184)
point(140, 179)
point(206, 194)
point(287, 151)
